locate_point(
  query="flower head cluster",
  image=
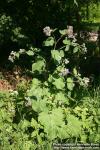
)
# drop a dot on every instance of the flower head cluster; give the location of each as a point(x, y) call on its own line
point(28, 102)
point(86, 81)
point(12, 56)
point(13, 93)
point(84, 48)
point(70, 32)
point(64, 72)
point(47, 31)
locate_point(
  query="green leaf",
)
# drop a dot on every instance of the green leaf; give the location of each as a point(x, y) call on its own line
point(74, 125)
point(75, 72)
point(38, 66)
point(70, 84)
point(61, 98)
point(36, 106)
point(57, 55)
point(76, 49)
point(70, 80)
point(35, 83)
point(66, 41)
point(17, 55)
point(49, 42)
point(34, 123)
point(67, 48)
point(62, 53)
point(46, 92)
point(63, 32)
point(63, 134)
point(30, 53)
point(34, 133)
point(52, 122)
point(83, 137)
point(59, 83)
point(57, 116)
point(36, 93)
point(24, 124)
point(40, 105)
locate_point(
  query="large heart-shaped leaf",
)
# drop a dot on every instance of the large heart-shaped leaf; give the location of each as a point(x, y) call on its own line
point(59, 83)
point(57, 55)
point(49, 42)
point(66, 41)
point(63, 32)
point(52, 122)
point(39, 66)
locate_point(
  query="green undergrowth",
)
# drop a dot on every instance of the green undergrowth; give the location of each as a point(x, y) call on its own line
point(27, 123)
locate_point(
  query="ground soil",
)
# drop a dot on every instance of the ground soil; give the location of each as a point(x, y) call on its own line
point(9, 80)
